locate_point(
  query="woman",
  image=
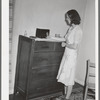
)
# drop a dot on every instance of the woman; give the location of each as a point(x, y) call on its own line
point(66, 73)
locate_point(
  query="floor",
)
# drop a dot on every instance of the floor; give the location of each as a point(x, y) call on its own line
point(19, 97)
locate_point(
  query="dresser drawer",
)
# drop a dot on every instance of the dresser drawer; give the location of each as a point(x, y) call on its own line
point(46, 58)
point(44, 86)
point(58, 47)
point(44, 46)
point(44, 72)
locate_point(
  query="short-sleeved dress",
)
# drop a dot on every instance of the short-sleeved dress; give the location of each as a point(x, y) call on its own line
point(66, 73)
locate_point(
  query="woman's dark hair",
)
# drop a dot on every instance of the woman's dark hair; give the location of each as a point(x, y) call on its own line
point(74, 16)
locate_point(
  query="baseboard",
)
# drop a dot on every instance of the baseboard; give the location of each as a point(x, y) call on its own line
point(80, 82)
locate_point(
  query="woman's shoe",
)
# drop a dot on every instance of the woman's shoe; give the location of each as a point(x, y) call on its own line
point(58, 98)
point(63, 97)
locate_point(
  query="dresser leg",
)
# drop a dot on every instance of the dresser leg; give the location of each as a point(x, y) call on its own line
point(15, 91)
point(15, 94)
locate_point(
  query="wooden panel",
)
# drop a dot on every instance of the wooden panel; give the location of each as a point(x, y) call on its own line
point(46, 58)
point(44, 72)
point(23, 64)
point(44, 46)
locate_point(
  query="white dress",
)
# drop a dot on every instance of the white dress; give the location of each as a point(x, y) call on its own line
point(66, 73)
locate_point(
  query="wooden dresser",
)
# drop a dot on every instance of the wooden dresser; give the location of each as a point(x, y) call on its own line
point(37, 67)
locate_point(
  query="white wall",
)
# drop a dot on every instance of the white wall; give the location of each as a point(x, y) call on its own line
point(87, 50)
point(30, 14)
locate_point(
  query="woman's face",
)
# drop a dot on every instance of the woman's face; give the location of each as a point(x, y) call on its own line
point(67, 20)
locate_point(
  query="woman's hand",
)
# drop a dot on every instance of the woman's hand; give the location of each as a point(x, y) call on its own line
point(63, 44)
point(67, 41)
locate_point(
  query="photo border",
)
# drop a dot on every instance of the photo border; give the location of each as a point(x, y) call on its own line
point(6, 34)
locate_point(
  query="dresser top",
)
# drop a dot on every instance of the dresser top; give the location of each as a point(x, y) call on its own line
point(49, 39)
point(52, 39)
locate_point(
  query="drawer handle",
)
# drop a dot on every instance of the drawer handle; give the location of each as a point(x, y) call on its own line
point(45, 46)
point(32, 67)
point(34, 70)
point(39, 88)
point(42, 59)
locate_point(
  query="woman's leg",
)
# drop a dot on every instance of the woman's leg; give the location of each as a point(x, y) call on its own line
point(65, 90)
point(69, 90)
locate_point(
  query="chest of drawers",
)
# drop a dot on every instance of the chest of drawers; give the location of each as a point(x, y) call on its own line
point(37, 67)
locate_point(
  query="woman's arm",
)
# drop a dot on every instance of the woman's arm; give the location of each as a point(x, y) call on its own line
point(68, 45)
point(77, 39)
point(72, 46)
